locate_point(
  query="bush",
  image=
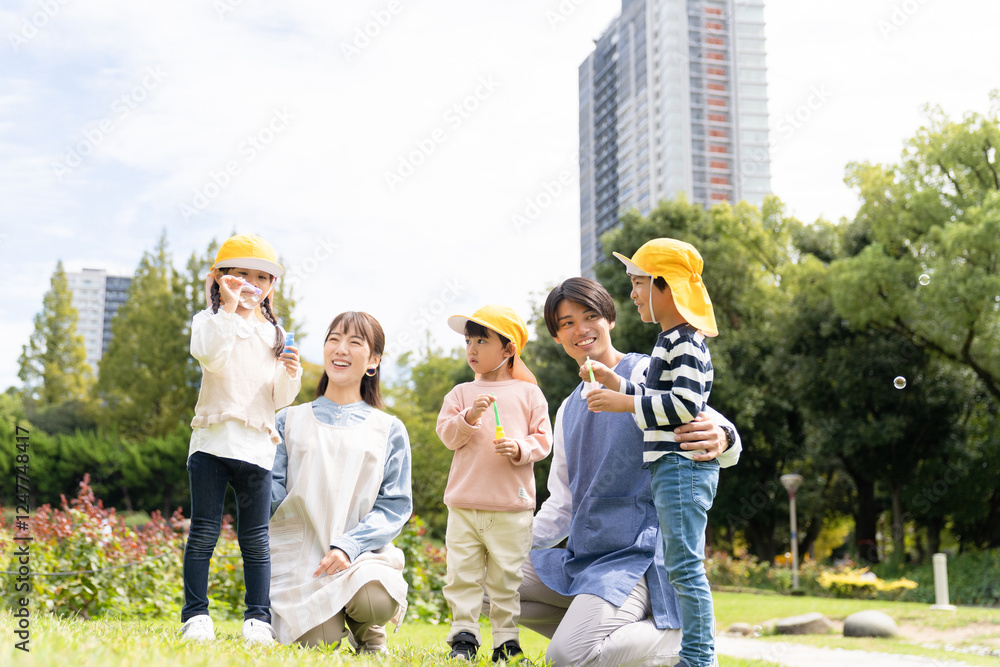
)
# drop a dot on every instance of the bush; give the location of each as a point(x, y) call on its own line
point(864, 585)
point(87, 561)
point(973, 579)
point(814, 579)
point(425, 573)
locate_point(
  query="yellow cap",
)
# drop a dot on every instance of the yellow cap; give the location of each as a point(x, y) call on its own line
point(679, 264)
point(247, 251)
point(505, 322)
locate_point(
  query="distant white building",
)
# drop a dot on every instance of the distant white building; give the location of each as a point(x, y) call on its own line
point(97, 298)
point(673, 99)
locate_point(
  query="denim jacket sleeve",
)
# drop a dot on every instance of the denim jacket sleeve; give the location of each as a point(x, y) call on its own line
point(279, 472)
point(393, 505)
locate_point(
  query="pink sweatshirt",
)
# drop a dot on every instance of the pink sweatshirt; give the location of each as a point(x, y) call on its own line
point(481, 479)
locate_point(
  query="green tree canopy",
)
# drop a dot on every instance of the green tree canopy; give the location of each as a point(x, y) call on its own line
point(53, 365)
point(146, 377)
point(923, 252)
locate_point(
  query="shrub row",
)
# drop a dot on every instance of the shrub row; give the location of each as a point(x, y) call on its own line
point(87, 561)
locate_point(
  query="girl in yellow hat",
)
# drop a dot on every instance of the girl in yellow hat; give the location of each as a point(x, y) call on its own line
point(247, 374)
point(497, 425)
point(667, 289)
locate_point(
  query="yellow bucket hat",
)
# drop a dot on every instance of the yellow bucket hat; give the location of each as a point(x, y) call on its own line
point(248, 251)
point(506, 322)
point(679, 264)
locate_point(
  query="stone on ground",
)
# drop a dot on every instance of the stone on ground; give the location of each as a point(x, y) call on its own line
point(804, 624)
point(870, 623)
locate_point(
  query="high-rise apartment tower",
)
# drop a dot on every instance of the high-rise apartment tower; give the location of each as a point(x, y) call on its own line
point(672, 100)
point(97, 298)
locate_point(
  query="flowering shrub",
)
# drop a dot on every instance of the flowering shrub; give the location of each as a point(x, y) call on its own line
point(86, 561)
point(814, 579)
point(860, 583)
point(425, 572)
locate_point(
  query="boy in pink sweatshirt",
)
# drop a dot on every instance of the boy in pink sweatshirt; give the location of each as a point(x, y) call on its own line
point(497, 425)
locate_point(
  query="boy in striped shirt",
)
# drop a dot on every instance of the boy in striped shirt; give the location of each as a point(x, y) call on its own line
point(667, 289)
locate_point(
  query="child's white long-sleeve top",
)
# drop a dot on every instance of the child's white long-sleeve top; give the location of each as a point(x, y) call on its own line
point(243, 385)
point(481, 479)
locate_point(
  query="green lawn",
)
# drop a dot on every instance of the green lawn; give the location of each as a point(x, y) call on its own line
point(123, 643)
point(757, 609)
point(62, 642)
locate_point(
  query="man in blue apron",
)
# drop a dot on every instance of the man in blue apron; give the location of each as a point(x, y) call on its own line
point(605, 598)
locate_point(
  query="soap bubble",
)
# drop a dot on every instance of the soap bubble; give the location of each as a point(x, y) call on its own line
point(924, 279)
point(899, 382)
point(757, 631)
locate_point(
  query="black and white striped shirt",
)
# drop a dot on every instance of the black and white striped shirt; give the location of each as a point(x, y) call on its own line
point(678, 383)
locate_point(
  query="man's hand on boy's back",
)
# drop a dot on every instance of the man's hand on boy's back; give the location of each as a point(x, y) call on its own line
point(606, 400)
point(479, 406)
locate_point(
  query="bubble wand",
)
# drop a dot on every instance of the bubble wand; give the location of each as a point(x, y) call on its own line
point(588, 386)
point(496, 413)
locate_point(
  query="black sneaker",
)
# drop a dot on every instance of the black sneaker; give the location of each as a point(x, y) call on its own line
point(509, 651)
point(464, 646)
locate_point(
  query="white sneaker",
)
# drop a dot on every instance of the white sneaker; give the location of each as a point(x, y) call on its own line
point(256, 631)
point(198, 629)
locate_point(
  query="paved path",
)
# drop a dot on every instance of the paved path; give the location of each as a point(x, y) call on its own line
point(797, 655)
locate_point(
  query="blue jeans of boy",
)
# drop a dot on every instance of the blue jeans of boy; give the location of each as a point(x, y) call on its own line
point(683, 492)
point(209, 476)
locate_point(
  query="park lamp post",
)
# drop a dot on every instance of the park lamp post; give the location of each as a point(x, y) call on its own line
point(791, 483)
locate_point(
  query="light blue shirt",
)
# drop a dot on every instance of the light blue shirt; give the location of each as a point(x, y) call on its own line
point(394, 503)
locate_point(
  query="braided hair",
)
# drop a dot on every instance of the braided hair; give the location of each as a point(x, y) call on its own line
point(215, 295)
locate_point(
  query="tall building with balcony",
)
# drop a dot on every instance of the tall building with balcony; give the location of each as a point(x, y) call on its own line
point(672, 100)
point(97, 298)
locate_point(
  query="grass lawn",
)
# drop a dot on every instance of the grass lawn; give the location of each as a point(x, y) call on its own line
point(59, 642)
point(928, 631)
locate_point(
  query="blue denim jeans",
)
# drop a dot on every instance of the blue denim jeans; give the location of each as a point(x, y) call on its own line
point(209, 476)
point(683, 491)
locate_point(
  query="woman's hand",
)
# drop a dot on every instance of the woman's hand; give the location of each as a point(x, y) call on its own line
point(290, 358)
point(332, 563)
point(507, 447)
point(702, 434)
point(606, 400)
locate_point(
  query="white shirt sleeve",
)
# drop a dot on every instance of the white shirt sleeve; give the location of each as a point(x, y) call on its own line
point(731, 456)
point(553, 520)
point(213, 336)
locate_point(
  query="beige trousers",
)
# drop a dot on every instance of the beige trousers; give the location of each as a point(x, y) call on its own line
point(365, 616)
point(588, 631)
point(486, 549)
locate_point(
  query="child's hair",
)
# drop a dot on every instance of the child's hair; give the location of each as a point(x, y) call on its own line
point(660, 283)
point(584, 291)
point(476, 330)
point(364, 325)
point(265, 307)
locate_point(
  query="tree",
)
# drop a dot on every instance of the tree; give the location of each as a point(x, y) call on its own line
point(923, 251)
point(416, 399)
point(745, 251)
point(53, 365)
point(147, 378)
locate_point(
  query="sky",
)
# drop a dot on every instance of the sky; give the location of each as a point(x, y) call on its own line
point(388, 148)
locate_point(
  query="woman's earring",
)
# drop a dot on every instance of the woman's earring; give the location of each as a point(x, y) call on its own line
point(371, 371)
